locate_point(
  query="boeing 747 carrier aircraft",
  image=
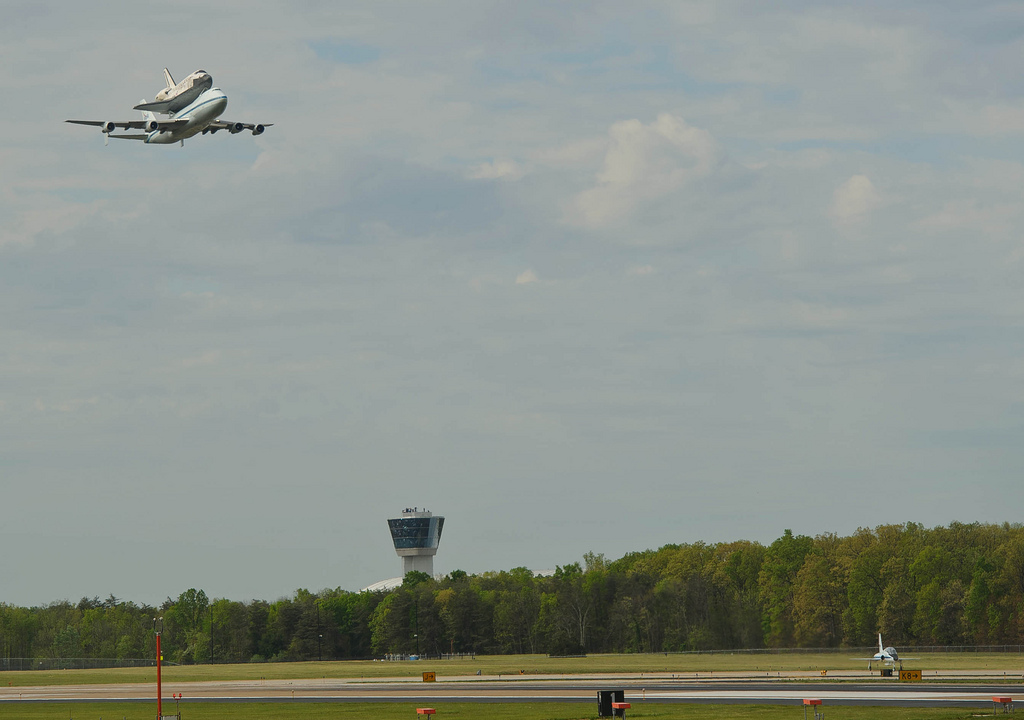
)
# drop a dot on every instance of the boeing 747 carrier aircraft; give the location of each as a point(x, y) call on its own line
point(192, 106)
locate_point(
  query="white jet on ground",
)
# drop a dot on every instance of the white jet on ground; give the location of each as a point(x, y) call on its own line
point(192, 106)
point(885, 655)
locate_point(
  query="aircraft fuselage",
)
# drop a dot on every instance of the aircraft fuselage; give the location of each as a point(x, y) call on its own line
point(202, 111)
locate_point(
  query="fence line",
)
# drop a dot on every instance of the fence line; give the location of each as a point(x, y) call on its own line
point(868, 649)
point(109, 663)
point(76, 663)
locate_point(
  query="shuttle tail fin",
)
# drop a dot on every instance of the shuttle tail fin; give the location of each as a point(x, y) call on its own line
point(148, 117)
point(168, 79)
point(880, 648)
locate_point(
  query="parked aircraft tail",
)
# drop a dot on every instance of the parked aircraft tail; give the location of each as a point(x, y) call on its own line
point(880, 648)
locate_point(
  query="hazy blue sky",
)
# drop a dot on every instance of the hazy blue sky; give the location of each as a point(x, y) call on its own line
point(578, 276)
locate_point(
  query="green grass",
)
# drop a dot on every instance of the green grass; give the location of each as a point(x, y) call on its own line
point(511, 665)
point(458, 711)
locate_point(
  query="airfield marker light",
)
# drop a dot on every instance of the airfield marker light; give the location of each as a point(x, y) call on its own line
point(815, 703)
point(1006, 702)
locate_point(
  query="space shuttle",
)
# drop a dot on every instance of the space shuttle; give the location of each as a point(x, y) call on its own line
point(178, 95)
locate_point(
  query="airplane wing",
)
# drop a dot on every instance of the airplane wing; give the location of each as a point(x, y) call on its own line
point(109, 126)
point(235, 127)
point(140, 136)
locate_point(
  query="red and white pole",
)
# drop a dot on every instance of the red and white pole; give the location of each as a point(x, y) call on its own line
point(159, 694)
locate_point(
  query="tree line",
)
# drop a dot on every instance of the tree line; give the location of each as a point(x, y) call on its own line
point(956, 585)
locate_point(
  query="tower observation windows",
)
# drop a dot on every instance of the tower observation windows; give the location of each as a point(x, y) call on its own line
point(416, 532)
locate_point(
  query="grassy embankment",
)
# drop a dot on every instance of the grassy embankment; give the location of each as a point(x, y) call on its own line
point(510, 665)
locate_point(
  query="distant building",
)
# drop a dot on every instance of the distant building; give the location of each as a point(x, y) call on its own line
point(416, 535)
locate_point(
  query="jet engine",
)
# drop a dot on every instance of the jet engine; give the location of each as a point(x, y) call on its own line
point(258, 130)
point(237, 128)
point(107, 127)
point(152, 125)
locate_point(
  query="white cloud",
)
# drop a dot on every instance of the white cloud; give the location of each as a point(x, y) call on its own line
point(970, 213)
point(640, 270)
point(820, 316)
point(39, 218)
point(66, 406)
point(526, 277)
point(69, 406)
point(854, 200)
point(573, 153)
point(644, 163)
point(209, 357)
point(993, 120)
point(495, 170)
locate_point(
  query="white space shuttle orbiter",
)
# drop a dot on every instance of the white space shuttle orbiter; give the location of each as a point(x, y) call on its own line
point(178, 95)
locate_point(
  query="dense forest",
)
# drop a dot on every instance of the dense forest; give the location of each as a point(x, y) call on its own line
point(956, 585)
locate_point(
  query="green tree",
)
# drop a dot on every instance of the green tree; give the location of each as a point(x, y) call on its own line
point(516, 607)
point(782, 562)
point(186, 619)
point(819, 597)
point(67, 643)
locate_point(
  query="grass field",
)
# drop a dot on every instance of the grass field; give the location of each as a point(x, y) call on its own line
point(511, 665)
point(458, 711)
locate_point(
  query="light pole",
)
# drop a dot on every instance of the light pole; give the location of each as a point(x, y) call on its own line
point(158, 627)
point(319, 635)
point(416, 618)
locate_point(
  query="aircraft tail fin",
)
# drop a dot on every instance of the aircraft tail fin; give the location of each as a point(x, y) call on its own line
point(168, 79)
point(147, 117)
point(880, 648)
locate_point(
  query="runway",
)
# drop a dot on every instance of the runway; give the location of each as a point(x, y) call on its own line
point(638, 690)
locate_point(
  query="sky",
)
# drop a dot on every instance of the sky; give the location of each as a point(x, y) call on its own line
point(579, 276)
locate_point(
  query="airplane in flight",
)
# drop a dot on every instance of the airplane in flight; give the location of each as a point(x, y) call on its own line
point(885, 655)
point(200, 113)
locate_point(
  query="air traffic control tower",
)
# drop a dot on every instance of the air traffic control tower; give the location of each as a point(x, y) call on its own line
point(416, 535)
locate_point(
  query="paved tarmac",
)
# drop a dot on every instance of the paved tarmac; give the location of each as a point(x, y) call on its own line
point(727, 688)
